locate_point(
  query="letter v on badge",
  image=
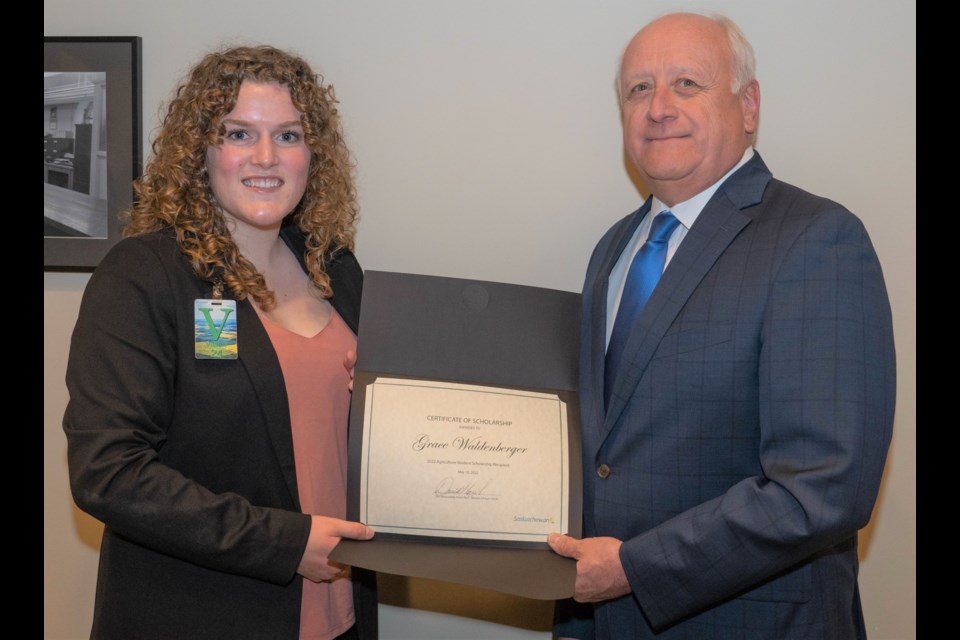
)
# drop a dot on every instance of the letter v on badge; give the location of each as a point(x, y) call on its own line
point(215, 329)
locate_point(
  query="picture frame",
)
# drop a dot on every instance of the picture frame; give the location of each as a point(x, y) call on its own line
point(92, 145)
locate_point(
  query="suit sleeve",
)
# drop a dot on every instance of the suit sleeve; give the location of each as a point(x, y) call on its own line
point(121, 377)
point(826, 385)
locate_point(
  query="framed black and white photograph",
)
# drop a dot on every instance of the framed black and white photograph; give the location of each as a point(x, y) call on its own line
point(91, 145)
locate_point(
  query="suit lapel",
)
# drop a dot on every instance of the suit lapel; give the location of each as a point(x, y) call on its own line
point(260, 361)
point(594, 327)
point(717, 226)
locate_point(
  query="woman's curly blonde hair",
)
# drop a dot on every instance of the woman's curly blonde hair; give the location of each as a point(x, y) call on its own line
point(174, 191)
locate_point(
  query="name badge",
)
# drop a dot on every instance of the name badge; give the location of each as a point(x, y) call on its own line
point(215, 329)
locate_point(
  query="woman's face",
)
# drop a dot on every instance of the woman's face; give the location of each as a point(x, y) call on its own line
point(259, 173)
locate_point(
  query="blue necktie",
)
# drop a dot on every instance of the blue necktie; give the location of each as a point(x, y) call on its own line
point(644, 274)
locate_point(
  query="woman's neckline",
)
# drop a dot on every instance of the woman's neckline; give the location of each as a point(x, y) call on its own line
point(265, 318)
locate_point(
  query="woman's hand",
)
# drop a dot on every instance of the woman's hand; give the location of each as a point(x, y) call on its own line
point(325, 533)
point(349, 363)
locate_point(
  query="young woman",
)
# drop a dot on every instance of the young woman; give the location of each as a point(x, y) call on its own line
point(212, 444)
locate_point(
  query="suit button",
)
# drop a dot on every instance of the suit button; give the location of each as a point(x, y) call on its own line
point(603, 470)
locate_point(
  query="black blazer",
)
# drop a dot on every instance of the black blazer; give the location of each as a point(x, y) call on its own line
point(189, 463)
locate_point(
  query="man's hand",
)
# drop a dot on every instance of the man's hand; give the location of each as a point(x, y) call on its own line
point(325, 533)
point(600, 575)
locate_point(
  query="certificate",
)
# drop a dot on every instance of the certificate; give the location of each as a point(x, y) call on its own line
point(464, 448)
point(462, 461)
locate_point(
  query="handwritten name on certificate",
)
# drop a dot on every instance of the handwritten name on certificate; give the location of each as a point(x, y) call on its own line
point(463, 461)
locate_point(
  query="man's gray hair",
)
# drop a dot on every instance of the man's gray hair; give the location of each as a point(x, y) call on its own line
point(744, 61)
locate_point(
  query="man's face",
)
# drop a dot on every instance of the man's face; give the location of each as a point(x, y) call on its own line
point(683, 126)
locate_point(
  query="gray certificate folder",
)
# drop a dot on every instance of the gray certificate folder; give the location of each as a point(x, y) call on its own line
point(517, 338)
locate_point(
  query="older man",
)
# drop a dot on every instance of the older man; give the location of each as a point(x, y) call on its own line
point(737, 373)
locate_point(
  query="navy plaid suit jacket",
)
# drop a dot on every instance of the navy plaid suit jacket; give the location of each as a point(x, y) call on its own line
point(748, 427)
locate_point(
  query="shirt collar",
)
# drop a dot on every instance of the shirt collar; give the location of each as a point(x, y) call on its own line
point(688, 211)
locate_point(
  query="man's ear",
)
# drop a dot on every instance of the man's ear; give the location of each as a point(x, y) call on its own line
point(751, 107)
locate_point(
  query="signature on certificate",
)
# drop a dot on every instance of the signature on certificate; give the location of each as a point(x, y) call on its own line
point(448, 487)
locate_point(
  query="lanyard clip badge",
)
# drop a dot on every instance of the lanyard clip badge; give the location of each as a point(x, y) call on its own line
point(215, 326)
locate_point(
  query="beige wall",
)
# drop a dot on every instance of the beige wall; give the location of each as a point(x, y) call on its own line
point(488, 146)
